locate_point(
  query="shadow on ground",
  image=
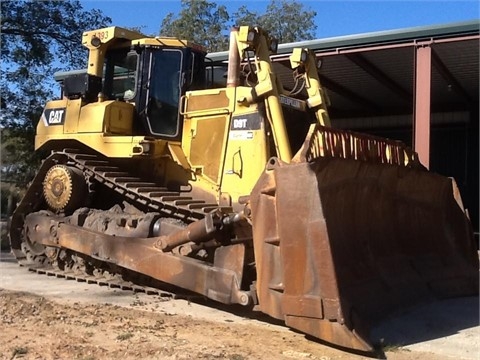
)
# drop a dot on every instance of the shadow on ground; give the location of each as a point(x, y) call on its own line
point(428, 322)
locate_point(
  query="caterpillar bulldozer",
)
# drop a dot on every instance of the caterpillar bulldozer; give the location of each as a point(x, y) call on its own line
point(244, 194)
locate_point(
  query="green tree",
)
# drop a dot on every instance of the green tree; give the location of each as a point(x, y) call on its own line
point(201, 21)
point(288, 21)
point(208, 24)
point(38, 38)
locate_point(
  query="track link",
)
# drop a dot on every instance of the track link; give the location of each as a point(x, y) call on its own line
point(114, 284)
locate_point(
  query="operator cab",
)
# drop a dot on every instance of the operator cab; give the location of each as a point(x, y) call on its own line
point(154, 78)
point(151, 73)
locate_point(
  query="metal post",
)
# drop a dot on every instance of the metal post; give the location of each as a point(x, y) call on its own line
point(423, 75)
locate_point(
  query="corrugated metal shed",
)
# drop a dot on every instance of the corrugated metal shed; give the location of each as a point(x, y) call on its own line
point(376, 84)
point(373, 74)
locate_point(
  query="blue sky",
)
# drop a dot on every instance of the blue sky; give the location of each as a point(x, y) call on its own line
point(334, 17)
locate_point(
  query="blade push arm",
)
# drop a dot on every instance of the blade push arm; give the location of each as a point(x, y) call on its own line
point(304, 61)
point(259, 41)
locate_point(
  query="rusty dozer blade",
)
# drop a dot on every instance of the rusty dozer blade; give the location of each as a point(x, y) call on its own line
point(342, 243)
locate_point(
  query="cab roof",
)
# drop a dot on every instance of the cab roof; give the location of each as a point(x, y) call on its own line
point(93, 38)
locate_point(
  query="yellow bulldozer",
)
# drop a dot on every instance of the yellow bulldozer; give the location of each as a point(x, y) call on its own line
point(243, 194)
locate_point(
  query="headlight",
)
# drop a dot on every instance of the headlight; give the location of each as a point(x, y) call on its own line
point(274, 45)
point(146, 147)
point(251, 36)
point(95, 42)
point(304, 56)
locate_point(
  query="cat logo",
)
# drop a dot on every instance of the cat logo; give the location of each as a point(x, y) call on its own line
point(53, 116)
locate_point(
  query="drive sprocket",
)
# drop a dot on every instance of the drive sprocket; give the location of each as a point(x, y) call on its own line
point(64, 188)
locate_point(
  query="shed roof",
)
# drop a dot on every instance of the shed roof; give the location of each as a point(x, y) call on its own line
point(372, 74)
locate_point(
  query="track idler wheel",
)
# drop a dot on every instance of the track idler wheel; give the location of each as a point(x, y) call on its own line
point(64, 188)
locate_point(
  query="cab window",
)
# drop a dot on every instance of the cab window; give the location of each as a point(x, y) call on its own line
point(120, 75)
point(164, 92)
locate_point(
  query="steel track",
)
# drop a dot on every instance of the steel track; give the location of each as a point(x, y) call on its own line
point(102, 281)
point(139, 192)
point(143, 194)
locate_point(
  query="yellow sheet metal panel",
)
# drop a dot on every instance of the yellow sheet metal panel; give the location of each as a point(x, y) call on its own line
point(110, 146)
point(119, 119)
point(200, 105)
point(106, 35)
point(72, 115)
point(110, 117)
point(207, 100)
point(113, 146)
point(92, 117)
point(208, 145)
point(247, 154)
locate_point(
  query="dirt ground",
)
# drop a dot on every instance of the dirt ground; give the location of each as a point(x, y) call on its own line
point(44, 317)
point(34, 327)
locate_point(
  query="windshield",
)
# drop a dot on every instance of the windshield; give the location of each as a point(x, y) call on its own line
point(120, 74)
point(164, 94)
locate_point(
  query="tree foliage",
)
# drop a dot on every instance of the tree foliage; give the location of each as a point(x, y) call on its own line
point(208, 24)
point(38, 38)
point(201, 21)
point(288, 21)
